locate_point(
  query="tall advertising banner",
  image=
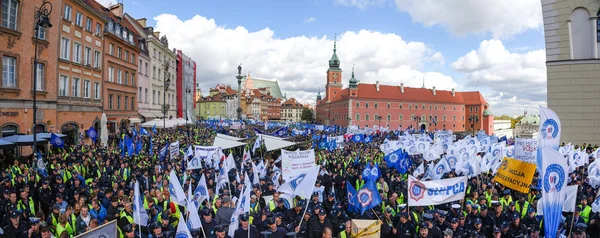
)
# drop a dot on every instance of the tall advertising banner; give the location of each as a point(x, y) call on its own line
point(425, 193)
point(515, 174)
point(554, 183)
point(296, 160)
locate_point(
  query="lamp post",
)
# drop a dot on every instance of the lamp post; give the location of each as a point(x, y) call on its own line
point(416, 119)
point(166, 85)
point(473, 119)
point(41, 20)
point(239, 92)
point(378, 118)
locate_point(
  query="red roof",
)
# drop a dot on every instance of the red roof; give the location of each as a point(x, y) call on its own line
point(473, 98)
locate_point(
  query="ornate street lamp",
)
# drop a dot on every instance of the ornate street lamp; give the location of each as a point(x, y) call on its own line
point(42, 19)
point(166, 85)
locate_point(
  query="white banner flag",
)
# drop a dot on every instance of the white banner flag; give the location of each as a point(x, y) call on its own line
point(174, 150)
point(549, 128)
point(292, 161)
point(424, 193)
point(526, 150)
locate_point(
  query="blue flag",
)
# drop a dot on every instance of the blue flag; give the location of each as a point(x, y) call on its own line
point(367, 197)
point(154, 129)
point(138, 146)
point(404, 164)
point(143, 131)
point(56, 141)
point(358, 138)
point(41, 166)
point(151, 151)
point(356, 160)
point(163, 152)
point(368, 139)
point(351, 202)
point(375, 172)
point(332, 145)
point(366, 174)
point(393, 158)
point(129, 144)
point(92, 133)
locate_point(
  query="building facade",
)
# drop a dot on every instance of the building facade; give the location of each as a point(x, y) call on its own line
point(145, 108)
point(186, 86)
point(368, 105)
point(573, 68)
point(291, 111)
point(528, 127)
point(503, 128)
point(212, 107)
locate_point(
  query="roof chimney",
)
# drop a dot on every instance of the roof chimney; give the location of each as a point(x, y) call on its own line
point(453, 93)
point(377, 85)
point(117, 9)
point(433, 90)
point(142, 21)
point(157, 34)
point(402, 87)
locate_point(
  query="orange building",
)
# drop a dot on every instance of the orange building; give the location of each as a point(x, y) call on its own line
point(370, 105)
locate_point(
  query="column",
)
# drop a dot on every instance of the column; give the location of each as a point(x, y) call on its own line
point(594, 20)
point(570, 39)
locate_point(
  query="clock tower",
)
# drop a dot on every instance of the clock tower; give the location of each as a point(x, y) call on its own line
point(334, 76)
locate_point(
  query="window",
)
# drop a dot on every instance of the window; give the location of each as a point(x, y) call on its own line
point(153, 96)
point(140, 67)
point(87, 56)
point(110, 101)
point(400, 117)
point(63, 85)
point(126, 78)
point(97, 59)
point(132, 104)
point(96, 90)
point(119, 77)
point(39, 86)
point(443, 118)
point(388, 105)
point(67, 12)
point(463, 118)
point(154, 53)
point(119, 51)
point(454, 108)
point(153, 72)
point(412, 116)
point(159, 56)
point(9, 13)
point(41, 33)
point(146, 68)
point(132, 58)
point(389, 117)
point(9, 72)
point(65, 48)
point(140, 94)
point(75, 87)
point(366, 117)
point(444, 108)
point(581, 37)
point(79, 19)
point(358, 116)
point(86, 89)
point(409, 106)
point(111, 49)
point(126, 55)
point(430, 107)
point(132, 79)
point(117, 30)
point(436, 107)
point(76, 52)
point(423, 107)
point(158, 100)
point(126, 102)
point(124, 35)
point(98, 28)
point(470, 109)
point(375, 105)
point(119, 102)
point(158, 76)
point(366, 105)
point(146, 95)
point(476, 109)
point(88, 24)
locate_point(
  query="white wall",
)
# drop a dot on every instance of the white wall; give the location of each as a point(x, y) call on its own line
point(582, 34)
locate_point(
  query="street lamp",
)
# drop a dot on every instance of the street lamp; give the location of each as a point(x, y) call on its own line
point(473, 119)
point(166, 85)
point(416, 119)
point(378, 118)
point(41, 20)
point(239, 92)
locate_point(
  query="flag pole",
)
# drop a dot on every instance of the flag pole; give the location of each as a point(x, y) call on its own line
point(376, 214)
point(303, 214)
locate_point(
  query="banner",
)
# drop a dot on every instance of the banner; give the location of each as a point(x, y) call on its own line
point(549, 128)
point(553, 173)
point(206, 153)
point(296, 160)
point(425, 193)
point(106, 230)
point(235, 125)
point(174, 150)
point(526, 150)
point(515, 174)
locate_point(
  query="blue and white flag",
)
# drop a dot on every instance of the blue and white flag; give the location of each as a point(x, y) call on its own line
point(393, 159)
point(92, 134)
point(435, 192)
point(352, 206)
point(242, 207)
point(154, 129)
point(368, 139)
point(182, 229)
point(366, 174)
point(223, 179)
point(174, 150)
point(140, 216)
point(509, 152)
point(143, 131)
point(367, 197)
point(375, 172)
point(441, 168)
point(257, 142)
point(596, 205)
point(201, 192)
point(358, 138)
point(484, 145)
point(175, 189)
point(194, 221)
point(301, 183)
point(162, 153)
point(404, 164)
point(41, 166)
point(56, 141)
point(577, 158)
point(419, 170)
point(554, 182)
point(550, 129)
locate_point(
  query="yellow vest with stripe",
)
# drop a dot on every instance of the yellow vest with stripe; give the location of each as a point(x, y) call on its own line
point(31, 207)
point(585, 213)
point(523, 210)
point(60, 229)
point(342, 234)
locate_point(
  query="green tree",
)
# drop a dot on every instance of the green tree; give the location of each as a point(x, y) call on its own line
point(307, 115)
point(515, 121)
point(503, 117)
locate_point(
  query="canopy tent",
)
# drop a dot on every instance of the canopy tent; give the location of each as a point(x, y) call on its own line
point(229, 137)
point(25, 139)
point(275, 143)
point(104, 130)
point(168, 123)
point(6, 144)
point(226, 144)
point(151, 123)
point(46, 135)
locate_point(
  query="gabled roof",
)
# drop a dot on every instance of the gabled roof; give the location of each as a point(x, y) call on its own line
point(264, 83)
point(473, 98)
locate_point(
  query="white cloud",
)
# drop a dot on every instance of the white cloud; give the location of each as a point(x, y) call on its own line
point(107, 3)
point(299, 63)
point(515, 80)
point(310, 19)
point(360, 3)
point(502, 18)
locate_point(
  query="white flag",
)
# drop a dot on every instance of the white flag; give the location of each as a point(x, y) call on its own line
point(302, 182)
point(568, 205)
point(175, 189)
point(201, 192)
point(242, 207)
point(256, 177)
point(193, 217)
point(229, 163)
point(554, 174)
point(182, 229)
point(420, 170)
point(549, 129)
point(257, 143)
point(441, 168)
point(140, 216)
point(223, 179)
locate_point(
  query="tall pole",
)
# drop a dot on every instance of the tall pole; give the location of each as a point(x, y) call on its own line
point(239, 92)
point(165, 88)
point(41, 20)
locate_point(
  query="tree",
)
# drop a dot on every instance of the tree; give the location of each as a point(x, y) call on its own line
point(307, 115)
point(503, 117)
point(515, 121)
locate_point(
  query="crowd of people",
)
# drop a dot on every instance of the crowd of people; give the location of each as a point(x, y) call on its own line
point(88, 185)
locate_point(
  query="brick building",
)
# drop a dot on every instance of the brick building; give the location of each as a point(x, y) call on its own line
point(368, 105)
point(291, 110)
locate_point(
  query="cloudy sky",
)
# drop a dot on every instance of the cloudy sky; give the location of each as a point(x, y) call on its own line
point(463, 44)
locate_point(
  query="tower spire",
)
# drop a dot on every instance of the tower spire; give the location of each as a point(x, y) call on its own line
point(334, 42)
point(423, 80)
point(352, 70)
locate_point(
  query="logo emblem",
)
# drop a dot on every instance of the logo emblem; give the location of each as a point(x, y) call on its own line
point(452, 161)
point(440, 169)
point(92, 133)
point(421, 146)
point(417, 190)
point(550, 129)
point(393, 158)
point(58, 141)
point(365, 197)
point(504, 165)
point(554, 178)
point(375, 171)
point(294, 183)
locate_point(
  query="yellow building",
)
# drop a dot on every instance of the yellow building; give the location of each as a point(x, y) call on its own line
point(212, 107)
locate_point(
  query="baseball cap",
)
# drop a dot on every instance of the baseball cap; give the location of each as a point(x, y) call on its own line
point(478, 220)
point(14, 214)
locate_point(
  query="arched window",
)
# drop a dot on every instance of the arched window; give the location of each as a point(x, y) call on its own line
point(436, 107)
point(9, 130)
point(581, 36)
point(423, 117)
point(72, 131)
point(412, 116)
point(454, 118)
point(430, 107)
point(357, 105)
point(375, 116)
point(400, 105)
point(366, 117)
point(400, 117)
point(389, 117)
point(375, 105)
point(444, 118)
point(388, 106)
point(366, 105)
point(409, 106)
point(444, 108)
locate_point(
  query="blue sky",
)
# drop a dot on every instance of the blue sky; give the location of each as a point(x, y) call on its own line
point(294, 33)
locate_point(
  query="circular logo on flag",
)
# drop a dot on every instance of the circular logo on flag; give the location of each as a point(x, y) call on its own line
point(41, 164)
point(92, 133)
point(495, 152)
point(554, 178)
point(465, 155)
point(471, 142)
point(194, 162)
point(452, 161)
point(295, 182)
point(201, 191)
point(417, 190)
point(550, 129)
point(350, 198)
point(375, 171)
point(413, 150)
point(510, 152)
point(504, 165)
point(58, 141)
point(576, 157)
point(421, 146)
point(393, 158)
point(440, 169)
point(462, 150)
point(181, 235)
point(365, 197)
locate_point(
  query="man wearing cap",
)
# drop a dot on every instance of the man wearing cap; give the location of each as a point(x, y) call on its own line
point(16, 227)
point(317, 225)
point(128, 231)
point(52, 219)
point(45, 197)
point(424, 231)
point(405, 228)
point(441, 222)
point(506, 199)
point(531, 220)
point(387, 228)
point(433, 231)
point(579, 230)
point(245, 227)
point(516, 228)
point(208, 223)
point(499, 216)
point(487, 220)
point(585, 208)
point(329, 201)
point(522, 206)
point(276, 232)
point(314, 202)
point(220, 232)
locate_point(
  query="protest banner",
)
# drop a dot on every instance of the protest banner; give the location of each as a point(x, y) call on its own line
point(425, 193)
point(174, 150)
point(104, 231)
point(515, 174)
point(296, 160)
point(526, 150)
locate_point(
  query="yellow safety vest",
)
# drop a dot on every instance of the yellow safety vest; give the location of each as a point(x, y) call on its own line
point(523, 211)
point(585, 213)
point(60, 229)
